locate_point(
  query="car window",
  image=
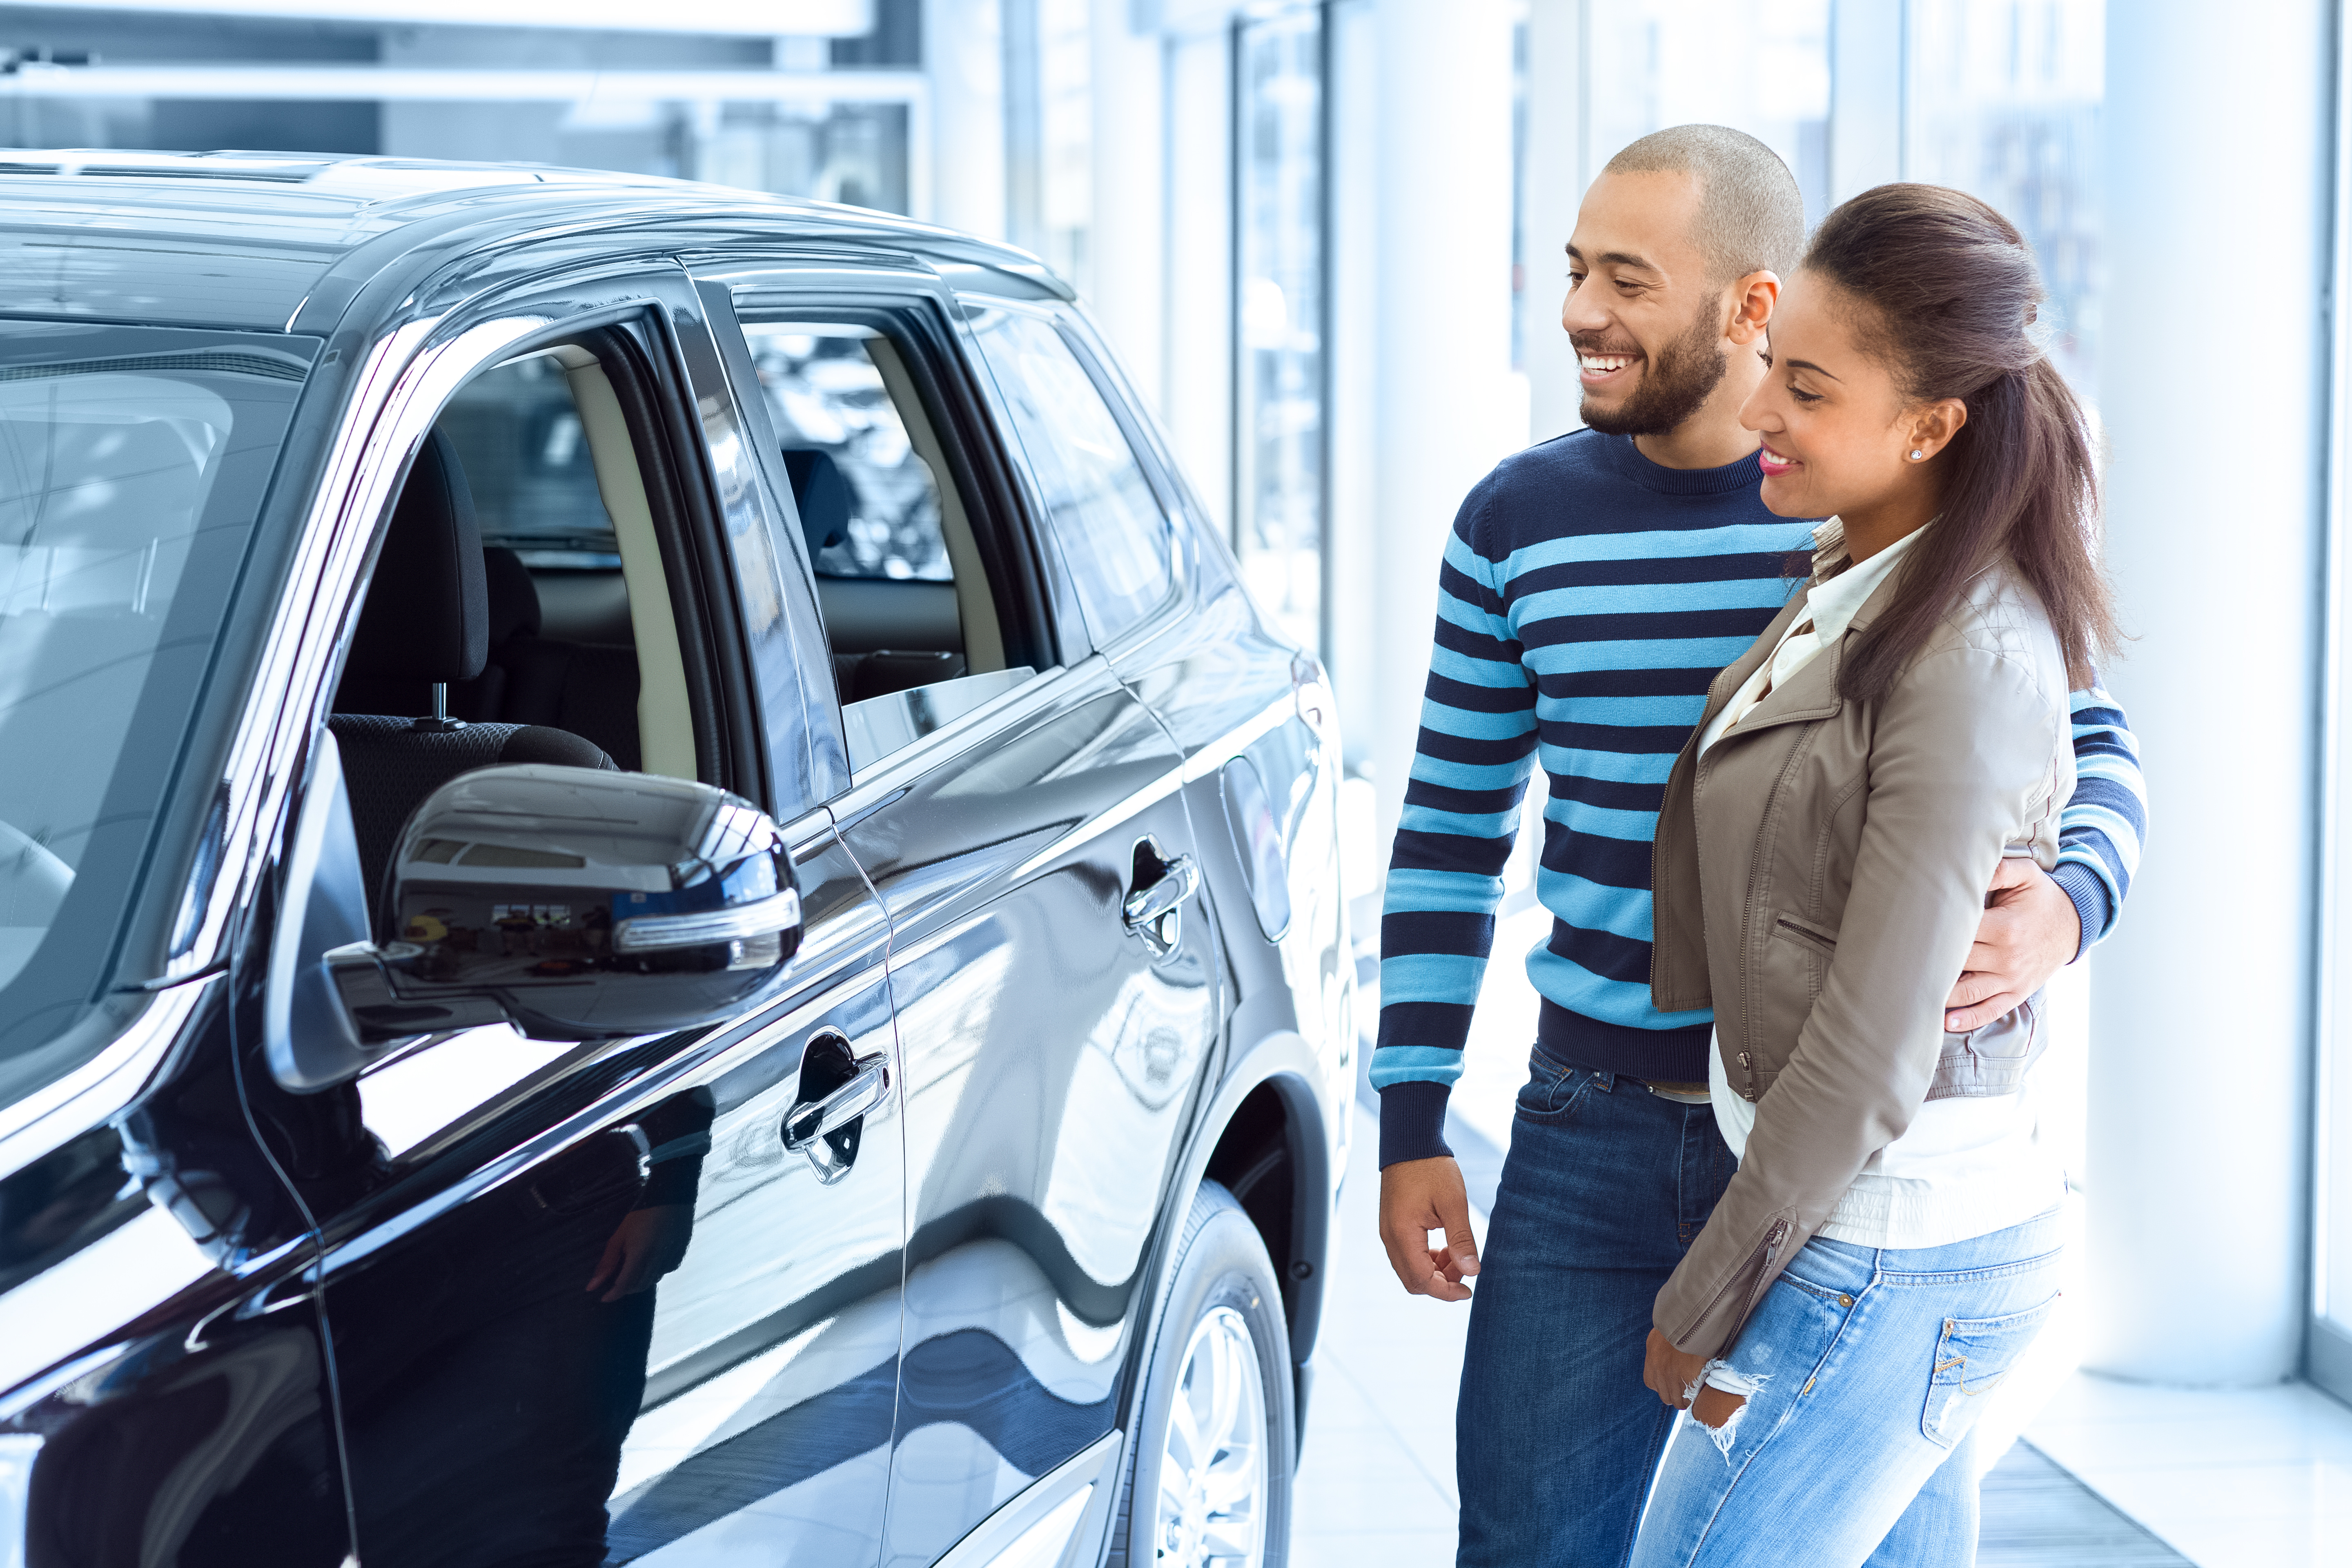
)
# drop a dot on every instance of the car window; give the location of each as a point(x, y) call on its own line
point(1115, 537)
point(910, 613)
point(833, 410)
point(516, 428)
point(132, 465)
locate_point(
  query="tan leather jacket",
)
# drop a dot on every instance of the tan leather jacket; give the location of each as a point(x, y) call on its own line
point(1818, 880)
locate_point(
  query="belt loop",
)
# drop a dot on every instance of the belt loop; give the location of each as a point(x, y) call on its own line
point(1606, 1079)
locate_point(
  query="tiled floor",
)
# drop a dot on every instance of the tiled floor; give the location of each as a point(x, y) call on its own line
point(2231, 1477)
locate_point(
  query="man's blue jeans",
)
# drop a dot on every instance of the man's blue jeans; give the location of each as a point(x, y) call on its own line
point(1872, 1365)
point(1605, 1187)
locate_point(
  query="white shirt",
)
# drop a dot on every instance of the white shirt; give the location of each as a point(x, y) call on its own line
point(1965, 1167)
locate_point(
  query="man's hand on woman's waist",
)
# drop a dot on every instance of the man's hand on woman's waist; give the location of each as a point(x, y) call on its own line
point(2030, 932)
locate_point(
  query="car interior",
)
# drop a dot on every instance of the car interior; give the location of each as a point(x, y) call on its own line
point(908, 610)
point(519, 609)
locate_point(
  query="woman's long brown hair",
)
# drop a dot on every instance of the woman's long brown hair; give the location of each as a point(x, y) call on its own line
point(1946, 293)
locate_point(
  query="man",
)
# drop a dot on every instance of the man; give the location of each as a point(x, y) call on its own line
point(1591, 588)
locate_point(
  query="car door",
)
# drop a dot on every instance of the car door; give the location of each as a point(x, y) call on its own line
point(1024, 827)
point(605, 1300)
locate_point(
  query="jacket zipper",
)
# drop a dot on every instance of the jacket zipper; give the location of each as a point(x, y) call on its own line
point(1759, 1263)
point(1755, 870)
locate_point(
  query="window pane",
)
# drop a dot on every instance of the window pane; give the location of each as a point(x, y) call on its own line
point(132, 463)
point(1280, 537)
point(2004, 104)
point(1764, 69)
point(518, 434)
point(1113, 534)
point(870, 505)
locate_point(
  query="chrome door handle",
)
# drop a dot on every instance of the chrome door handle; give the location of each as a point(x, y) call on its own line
point(808, 1124)
point(1153, 912)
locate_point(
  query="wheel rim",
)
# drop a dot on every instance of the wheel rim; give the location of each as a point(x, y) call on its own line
point(1211, 1507)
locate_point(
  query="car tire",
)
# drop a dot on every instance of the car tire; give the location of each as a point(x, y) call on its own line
point(1208, 1470)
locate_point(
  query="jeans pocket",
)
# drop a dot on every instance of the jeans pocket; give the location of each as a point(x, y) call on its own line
point(1552, 1089)
point(1972, 1356)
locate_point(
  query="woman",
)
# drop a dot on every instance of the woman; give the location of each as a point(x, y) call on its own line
point(1888, 1245)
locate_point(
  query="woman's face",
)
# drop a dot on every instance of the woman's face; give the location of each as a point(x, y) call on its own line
point(1838, 434)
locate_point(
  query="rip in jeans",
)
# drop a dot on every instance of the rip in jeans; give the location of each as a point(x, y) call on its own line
point(1722, 1375)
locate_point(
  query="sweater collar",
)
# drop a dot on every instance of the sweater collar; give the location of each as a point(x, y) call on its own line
point(1627, 460)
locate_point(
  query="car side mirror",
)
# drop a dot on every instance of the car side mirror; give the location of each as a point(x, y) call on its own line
point(573, 902)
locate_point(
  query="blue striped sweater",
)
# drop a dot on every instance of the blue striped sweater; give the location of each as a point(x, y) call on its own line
point(1587, 595)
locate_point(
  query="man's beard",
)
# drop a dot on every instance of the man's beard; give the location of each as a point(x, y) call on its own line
point(1678, 379)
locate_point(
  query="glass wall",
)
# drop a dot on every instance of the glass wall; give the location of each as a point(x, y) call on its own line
point(1278, 354)
point(1761, 68)
point(2003, 102)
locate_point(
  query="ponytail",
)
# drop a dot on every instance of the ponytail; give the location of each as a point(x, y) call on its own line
point(1947, 295)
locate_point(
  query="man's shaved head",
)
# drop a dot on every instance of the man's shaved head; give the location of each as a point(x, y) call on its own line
point(1751, 217)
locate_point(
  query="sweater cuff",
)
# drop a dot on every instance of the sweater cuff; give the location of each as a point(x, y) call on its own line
point(2091, 903)
point(1412, 1121)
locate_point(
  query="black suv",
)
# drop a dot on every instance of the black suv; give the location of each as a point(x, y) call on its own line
point(659, 901)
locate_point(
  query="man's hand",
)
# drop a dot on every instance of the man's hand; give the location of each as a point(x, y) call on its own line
point(647, 1244)
point(2030, 932)
point(1418, 1196)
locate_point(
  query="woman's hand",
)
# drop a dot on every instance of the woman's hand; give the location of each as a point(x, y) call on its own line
point(1671, 1372)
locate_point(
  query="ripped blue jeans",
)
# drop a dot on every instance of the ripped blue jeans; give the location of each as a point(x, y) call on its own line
point(1865, 1368)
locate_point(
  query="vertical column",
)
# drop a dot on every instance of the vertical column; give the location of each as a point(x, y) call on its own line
point(1129, 170)
point(963, 46)
point(1197, 353)
point(1352, 163)
point(2202, 1016)
point(1445, 409)
point(1555, 185)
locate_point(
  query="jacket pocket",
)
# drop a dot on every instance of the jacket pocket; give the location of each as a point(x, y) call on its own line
point(1972, 1356)
point(1804, 932)
point(1991, 1061)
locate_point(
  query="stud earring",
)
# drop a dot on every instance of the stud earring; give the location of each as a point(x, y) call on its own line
point(1917, 454)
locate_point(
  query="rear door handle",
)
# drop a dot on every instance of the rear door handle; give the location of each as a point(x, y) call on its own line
point(1153, 912)
point(810, 1126)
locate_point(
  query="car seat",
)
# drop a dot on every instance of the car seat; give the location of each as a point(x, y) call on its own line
point(821, 491)
point(589, 688)
point(426, 626)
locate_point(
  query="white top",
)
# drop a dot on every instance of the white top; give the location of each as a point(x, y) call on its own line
point(1965, 1167)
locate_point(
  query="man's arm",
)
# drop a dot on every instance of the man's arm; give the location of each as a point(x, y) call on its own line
point(1461, 812)
point(2037, 923)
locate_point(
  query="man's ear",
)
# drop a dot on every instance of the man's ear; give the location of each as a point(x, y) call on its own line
point(1752, 300)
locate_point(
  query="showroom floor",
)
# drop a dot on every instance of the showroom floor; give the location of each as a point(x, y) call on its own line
point(2110, 1474)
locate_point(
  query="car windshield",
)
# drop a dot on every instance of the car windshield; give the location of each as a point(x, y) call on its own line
point(132, 464)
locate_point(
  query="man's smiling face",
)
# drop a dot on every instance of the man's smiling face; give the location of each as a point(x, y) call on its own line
point(1642, 311)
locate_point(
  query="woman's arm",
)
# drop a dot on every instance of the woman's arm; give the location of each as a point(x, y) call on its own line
point(1963, 744)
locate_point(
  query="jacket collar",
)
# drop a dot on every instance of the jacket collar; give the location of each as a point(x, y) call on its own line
point(1812, 691)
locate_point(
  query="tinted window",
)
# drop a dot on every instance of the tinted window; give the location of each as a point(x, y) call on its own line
point(1113, 534)
point(871, 505)
point(132, 463)
point(518, 432)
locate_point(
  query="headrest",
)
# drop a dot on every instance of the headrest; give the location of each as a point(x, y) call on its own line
point(427, 615)
point(822, 495)
point(514, 597)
